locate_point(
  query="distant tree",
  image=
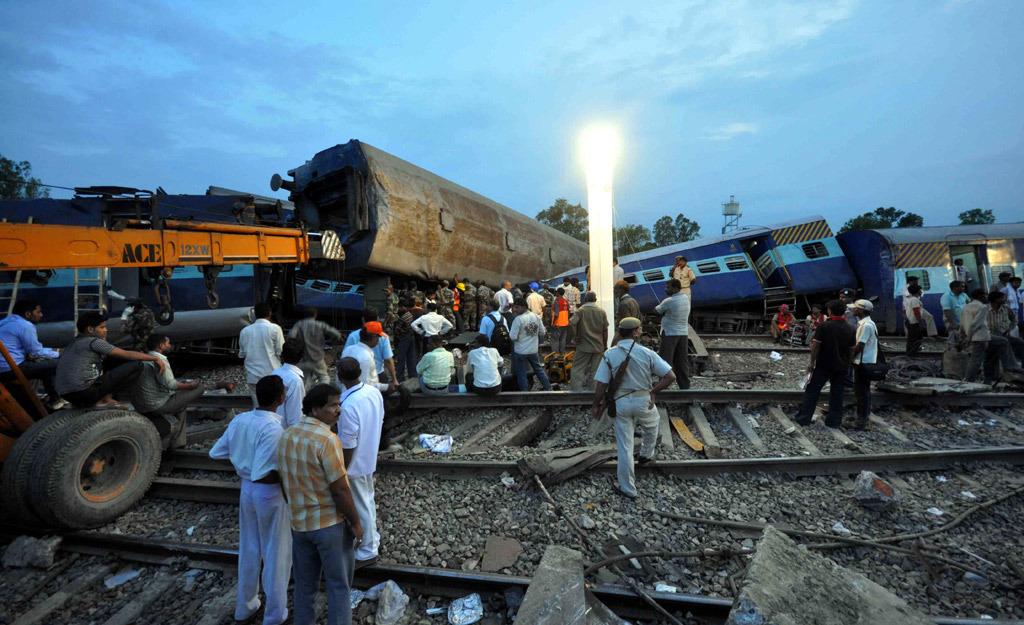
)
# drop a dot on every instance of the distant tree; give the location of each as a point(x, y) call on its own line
point(977, 216)
point(686, 230)
point(665, 232)
point(565, 217)
point(882, 218)
point(632, 238)
point(17, 183)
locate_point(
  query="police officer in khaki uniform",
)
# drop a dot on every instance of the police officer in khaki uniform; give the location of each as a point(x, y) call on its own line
point(634, 398)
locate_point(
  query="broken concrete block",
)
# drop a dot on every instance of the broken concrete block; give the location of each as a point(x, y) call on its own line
point(555, 596)
point(391, 604)
point(29, 551)
point(874, 492)
point(788, 585)
point(500, 552)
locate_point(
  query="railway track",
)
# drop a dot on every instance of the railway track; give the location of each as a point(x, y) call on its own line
point(226, 492)
point(708, 396)
point(414, 580)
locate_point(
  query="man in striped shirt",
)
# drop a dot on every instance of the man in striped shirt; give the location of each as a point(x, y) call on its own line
point(326, 529)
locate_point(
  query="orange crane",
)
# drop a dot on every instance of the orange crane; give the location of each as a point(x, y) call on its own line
point(81, 468)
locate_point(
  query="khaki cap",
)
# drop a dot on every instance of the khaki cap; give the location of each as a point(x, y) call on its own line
point(629, 323)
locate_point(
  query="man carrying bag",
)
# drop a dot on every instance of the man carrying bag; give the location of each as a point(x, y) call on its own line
point(624, 389)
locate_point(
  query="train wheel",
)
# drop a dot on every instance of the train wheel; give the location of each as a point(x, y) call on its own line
point(14, 479)
point(94, 468)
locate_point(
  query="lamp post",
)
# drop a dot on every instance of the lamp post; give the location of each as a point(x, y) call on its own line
point(600, 147)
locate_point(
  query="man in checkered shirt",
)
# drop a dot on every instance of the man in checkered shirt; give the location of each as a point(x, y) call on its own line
point(326, 529)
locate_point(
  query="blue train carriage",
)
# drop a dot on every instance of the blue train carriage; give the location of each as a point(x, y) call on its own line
point(194, 319)
point(769, 264)
point(883, 259)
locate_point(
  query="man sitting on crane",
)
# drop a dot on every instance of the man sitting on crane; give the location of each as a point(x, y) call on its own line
point(19, 336)
point(78, 377)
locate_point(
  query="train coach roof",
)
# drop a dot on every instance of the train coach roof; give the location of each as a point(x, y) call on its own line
point(897, 236)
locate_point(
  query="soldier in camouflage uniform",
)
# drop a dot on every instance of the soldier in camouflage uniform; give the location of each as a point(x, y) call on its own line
point(445, 302)
point(417, 294)
point(517, 293)
point(484, 297)
point(549, 305)
point(391, 307)
point(469, 309)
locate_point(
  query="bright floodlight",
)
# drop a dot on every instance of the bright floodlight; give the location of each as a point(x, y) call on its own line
point(600, 149)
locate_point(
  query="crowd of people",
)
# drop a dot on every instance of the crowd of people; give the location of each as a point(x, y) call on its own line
point(306, 453)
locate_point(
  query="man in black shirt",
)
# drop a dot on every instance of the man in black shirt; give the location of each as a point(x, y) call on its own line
point(831, 354)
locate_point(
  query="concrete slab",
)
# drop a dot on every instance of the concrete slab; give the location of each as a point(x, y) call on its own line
point(500, 552)
point(556, 594)
point(711, 447)
point(788, 585)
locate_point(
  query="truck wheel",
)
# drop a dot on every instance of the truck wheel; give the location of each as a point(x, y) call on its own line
point(14, 479)
point(94, 468)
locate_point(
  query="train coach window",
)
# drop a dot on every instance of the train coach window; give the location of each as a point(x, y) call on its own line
point(629, 278)
point(814, 250)
point(654, 275)
point(922, 278)
point(708, 266)
point(447, 220)
point(998, 269)
point(320, 285)
point(734, 263)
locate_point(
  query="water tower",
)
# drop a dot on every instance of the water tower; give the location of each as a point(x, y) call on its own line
point(732, 214)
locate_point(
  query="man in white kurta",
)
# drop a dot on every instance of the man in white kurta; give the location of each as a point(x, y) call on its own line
point(362, 417)
point(260, 344)
point(294, 381)
point(264, 522)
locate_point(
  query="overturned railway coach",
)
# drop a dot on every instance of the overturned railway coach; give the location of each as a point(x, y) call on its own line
point(771, 264)
point(397, 220)
point(884, 259)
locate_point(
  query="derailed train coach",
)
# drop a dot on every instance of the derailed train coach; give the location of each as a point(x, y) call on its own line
point(884, 259)
point(767, 265)
point(398, 221)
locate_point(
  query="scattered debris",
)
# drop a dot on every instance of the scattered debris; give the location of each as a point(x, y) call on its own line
point(839, 528)
point(663, 587)
point(935, 511)
point(556, 593)
point(29, 551)
point(933, 386)
point(941, 478)
point(873, 492)
point(586, 522)
point(391, 604)
point(507, 480)
point(968, 494)
point(500, 552)
point(466, 610)
point(776, 356)
point(558, 466)
point(126, 574)
point(975, 579)
point(437, 443)
point(779, 589)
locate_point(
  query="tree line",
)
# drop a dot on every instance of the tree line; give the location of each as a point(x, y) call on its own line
point(631, 238)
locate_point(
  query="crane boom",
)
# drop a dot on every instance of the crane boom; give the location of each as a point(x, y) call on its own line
point(178, 243)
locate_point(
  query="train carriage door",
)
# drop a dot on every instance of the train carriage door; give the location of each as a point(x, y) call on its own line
point(975, 264)
point(766, 262)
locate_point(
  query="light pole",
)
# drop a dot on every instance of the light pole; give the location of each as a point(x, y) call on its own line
point(600, 147)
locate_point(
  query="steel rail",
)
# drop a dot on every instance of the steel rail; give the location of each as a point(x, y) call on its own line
point(730, 349)
point(222, 492)
point(536, 399)
point(448, 583)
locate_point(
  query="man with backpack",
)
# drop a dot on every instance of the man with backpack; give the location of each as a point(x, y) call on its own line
point(624, 389)
point(494, 327)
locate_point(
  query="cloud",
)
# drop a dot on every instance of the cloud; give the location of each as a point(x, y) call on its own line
point(731, 131)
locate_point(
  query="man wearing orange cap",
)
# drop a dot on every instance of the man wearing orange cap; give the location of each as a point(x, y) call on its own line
point(369, 336)
point(782, 323)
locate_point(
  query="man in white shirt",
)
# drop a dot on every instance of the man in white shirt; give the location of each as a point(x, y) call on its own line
point(527, 330)
point(913, 318)
point(483, 368)
point(369, 336)
point(294, 381)
point(864, 353)
point(1012, 300)
point(535, 301)
point(431, 324)
point(264, 521)
point(260, 344)
point(618, 273)
point(504, 298)
point(960, 273)
point(362, 417)
point(383, 355)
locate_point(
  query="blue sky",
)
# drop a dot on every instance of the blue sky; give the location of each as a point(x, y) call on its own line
point(796, 108)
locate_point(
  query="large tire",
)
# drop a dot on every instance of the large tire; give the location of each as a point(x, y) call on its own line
point(14, 479)
point(94, 468)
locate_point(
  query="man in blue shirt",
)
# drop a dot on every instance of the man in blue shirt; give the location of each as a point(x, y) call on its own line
point(490, 319)
point(952, 303)
point(19, 336)
point(383, 355)
point(675, 315)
